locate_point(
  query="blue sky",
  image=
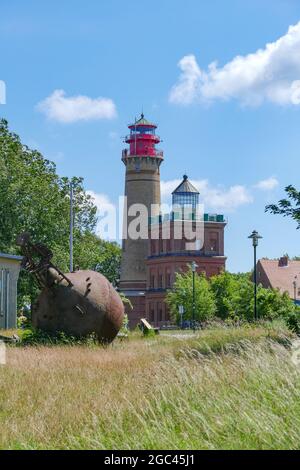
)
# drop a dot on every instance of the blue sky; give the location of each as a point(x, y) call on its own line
point(232, 127)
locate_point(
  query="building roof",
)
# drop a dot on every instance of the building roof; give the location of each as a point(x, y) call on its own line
point(142, 122)
point(8, 256)
point(185, 187)
point(281, 274)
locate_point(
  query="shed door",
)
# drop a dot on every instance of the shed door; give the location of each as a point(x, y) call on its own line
point(4, 298)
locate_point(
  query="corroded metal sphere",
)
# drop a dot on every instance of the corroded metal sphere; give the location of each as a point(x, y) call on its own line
point(89, 305)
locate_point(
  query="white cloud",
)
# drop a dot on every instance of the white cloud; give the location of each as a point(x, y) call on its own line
point(58, 107)
point(106, 212)
point(2, 92)
point(101, 201)
point(267, 184)
point(269, 74)
point(213, 198)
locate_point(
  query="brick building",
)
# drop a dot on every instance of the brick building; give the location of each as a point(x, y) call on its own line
point(282, 274)
point(190, 237)
point(174, 239)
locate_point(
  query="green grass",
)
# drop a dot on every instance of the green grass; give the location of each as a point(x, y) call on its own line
point(225, 388)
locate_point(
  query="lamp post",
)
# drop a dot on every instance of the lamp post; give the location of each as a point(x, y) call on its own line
point(194, 266)
point(255, 237)
point(71, 227)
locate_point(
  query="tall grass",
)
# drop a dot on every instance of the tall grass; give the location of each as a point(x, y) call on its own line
point(223, 389)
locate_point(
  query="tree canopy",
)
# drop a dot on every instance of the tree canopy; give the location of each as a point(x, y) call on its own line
point(35, 199)
point(226, 296)
point(182, 294)
point(288, 207)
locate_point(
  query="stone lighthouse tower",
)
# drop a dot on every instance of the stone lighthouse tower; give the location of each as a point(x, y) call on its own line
point(142, 186)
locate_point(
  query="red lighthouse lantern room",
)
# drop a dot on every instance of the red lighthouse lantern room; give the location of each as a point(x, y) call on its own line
point(142, 139)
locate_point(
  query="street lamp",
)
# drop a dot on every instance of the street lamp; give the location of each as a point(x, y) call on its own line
point(255, 237)
point(194, 266)
point(71, 227)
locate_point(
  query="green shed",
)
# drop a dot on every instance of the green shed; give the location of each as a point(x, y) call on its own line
point(9, 273)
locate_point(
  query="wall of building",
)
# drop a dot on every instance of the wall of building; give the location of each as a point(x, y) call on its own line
point(166, 257)
point(9, 273)
point(161, 274)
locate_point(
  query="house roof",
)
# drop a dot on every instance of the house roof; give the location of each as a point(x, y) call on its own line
point(282, 277)
point(185, 187)
point(9, 256)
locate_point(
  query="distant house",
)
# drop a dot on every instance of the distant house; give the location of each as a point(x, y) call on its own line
point(9, 273)
point(282, 274)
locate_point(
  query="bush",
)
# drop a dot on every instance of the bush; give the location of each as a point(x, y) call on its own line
point(293, 321)
point(234, 299)
point(233, 295)
point(32, 337)
point(182, 294)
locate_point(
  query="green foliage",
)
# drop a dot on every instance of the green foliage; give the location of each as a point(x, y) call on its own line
point(234, 298)
point(90, 252)
point(125, 325)
point(293, 321)
point(35, 199)
point(34, 337)
point(219, 389)
point(182, 294)
point(272, 304)
point(228, 297)
point(149, 333)
point(289, 207)
point(125, 300)
point(233, 292)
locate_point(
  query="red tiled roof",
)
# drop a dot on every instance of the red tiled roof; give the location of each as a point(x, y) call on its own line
point(280, 277)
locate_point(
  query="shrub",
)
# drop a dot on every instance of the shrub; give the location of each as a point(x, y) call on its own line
point(182, 294)
point(35, 337)
point(293, 321)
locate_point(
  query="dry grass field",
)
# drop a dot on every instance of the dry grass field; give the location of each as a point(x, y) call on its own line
point(233, 388)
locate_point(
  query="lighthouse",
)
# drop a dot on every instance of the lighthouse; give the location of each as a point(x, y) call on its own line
point(142, 160)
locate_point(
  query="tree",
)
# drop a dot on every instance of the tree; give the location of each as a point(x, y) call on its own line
point(272, 304)
point(234, 298)
point(34, 198)
point(231, 291)
point(289, 207)
point(90, 252)
point(182, 294)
